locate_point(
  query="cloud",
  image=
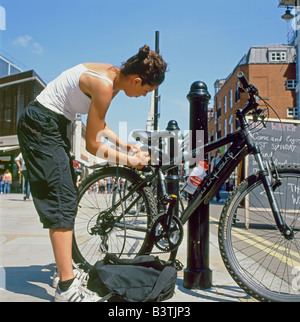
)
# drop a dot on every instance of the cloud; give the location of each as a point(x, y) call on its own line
point(22, 41)
point(37, 48)
point(28, 42)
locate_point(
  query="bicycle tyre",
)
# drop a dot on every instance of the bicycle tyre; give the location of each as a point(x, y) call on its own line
point(98, 230)
point(261, 261)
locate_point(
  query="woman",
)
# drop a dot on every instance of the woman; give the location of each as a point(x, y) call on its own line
point(86, 89)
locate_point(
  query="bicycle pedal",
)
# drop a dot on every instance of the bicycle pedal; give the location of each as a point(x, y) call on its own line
point(178, 265)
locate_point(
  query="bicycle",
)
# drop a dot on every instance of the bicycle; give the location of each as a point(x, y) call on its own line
point(259, 244)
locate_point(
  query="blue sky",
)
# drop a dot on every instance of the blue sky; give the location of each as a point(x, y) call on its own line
point(200, 40)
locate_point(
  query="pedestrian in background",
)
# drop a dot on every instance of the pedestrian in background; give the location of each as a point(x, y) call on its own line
point(1, 182)
point(22, 170)
point(7, 178)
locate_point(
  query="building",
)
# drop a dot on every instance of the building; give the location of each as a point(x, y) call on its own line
point(8, 68)
point(272, 69)
point(293, 36)
point(16, 91)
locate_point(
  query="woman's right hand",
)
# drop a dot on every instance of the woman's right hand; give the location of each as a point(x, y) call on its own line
point(139, 160)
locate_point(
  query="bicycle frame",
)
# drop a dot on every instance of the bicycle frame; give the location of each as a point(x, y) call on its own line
point(213, 181)
point(242, 144)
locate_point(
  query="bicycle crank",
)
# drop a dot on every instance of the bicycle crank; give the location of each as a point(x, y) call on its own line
point(166, 236)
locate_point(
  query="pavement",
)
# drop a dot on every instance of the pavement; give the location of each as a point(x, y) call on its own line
point(27, 262)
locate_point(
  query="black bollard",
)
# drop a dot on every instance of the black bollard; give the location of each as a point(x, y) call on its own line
point(197, 275)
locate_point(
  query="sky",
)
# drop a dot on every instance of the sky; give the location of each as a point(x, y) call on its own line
point(200, 40)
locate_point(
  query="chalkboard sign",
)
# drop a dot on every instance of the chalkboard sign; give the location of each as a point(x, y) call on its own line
point(280, 140)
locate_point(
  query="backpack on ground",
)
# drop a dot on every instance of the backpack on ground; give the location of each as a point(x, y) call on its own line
point(141, 279)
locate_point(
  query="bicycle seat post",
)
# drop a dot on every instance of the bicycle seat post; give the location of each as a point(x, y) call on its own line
point(198, 275)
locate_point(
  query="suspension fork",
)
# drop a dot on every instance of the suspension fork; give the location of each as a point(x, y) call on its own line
point(267, 178)
point(268, 183)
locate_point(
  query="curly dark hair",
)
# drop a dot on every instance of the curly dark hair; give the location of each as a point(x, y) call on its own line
point(148, 65)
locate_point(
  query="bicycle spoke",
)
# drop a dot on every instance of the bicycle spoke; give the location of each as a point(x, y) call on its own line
point(113, 221)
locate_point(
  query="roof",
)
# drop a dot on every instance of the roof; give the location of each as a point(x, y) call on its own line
point(289, 3)
point(17, 78)
point(260, 54)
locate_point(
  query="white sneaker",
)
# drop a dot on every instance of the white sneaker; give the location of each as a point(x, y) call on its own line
point(79, 273)
point(76, 293)
point(55, 279)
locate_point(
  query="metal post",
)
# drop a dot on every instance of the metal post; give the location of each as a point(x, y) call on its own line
point(197, 275)
point(156, 96)
point(172, 179)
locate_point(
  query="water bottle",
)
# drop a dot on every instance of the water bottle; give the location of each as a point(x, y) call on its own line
point(196, 177)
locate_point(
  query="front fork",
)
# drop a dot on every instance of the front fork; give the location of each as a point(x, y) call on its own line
point(270, 183)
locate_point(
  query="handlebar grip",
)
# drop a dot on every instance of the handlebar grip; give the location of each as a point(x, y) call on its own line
point(243, 80)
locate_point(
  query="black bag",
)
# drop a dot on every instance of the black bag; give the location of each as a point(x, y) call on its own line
point(141, 279)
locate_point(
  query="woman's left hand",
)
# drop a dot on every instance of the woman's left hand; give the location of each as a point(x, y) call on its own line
point(134, 148)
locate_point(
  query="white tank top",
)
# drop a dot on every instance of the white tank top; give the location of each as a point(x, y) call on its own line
point(64, 96)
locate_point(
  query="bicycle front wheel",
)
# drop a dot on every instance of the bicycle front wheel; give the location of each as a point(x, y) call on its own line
point(259, 258)
point(111, 218)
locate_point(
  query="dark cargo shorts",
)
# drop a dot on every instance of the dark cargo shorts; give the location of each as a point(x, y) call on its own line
point(46, 150)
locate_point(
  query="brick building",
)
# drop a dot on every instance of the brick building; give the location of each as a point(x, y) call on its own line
point(272, 69)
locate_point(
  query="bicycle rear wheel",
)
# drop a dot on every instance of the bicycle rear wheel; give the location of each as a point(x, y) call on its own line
point(113, 220)
point(258, 257)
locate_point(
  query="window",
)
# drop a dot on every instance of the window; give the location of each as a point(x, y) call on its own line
point(219, 133)
point(225, 127)
point(7, 115)
point(225, 104)
point(277, 56)
point(231, 98)
point(238, 93)
point(219, 110)
point(291, 84)
point(292, 113)
point(3, 68)
point(14, 70)
point(231, 123)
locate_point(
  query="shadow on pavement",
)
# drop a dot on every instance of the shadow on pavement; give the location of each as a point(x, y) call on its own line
point(29, 280)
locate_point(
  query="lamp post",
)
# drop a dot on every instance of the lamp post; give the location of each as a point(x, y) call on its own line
point(287, 16)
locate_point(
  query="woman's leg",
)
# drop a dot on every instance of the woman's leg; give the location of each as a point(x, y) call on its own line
point(61, 239)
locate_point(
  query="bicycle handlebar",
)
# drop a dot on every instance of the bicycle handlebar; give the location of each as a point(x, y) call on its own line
point(244, 80)
point(248, 88)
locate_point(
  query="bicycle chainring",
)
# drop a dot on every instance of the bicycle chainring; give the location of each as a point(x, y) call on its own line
point(163, 240)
